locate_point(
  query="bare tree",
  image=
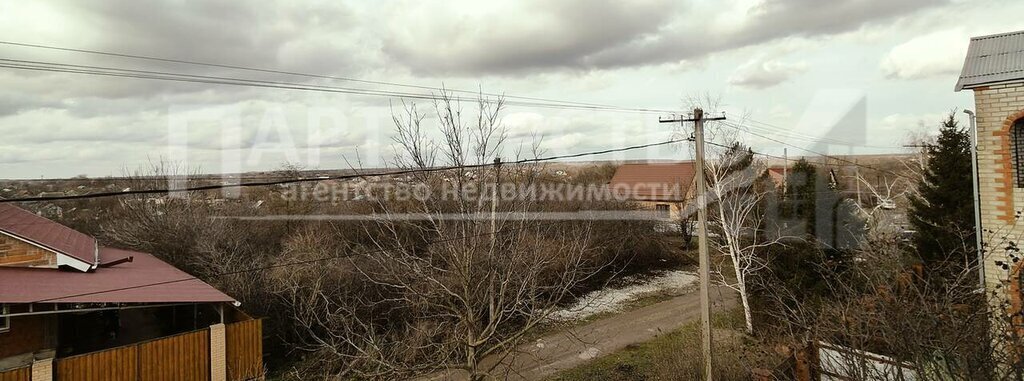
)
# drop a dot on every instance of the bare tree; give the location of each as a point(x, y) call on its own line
point(463, 269)
point(899, 321)
point(739, 191)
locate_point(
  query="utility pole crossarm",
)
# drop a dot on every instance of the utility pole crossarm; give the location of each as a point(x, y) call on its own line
point(678, 120)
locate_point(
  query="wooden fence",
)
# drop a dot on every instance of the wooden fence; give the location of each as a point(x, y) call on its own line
point(184, 357)
point(180, 357)
point(118, 364)
point(244, 350)
point(19, 374)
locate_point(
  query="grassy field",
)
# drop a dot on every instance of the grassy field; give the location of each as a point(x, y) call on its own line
point(675, 356)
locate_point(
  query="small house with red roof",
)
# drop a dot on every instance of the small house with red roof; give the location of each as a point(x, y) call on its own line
point(663, 187)
point(65, 298)
point(777, 173)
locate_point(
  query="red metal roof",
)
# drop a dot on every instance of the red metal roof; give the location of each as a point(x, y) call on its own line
point(41, 231)
point(654, 182)
point(144, 280)
point(777, 174)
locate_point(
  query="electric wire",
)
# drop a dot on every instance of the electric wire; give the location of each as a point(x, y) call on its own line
point(325, 178)
point(294, 73)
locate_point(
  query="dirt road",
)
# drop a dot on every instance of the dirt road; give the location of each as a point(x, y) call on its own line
point(553, 353)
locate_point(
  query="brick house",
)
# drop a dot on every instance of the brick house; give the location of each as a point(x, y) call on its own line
point(994, 71)
point(665, 188)
point(73, 309)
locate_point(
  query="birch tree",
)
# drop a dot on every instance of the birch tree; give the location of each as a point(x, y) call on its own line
point(739, 190)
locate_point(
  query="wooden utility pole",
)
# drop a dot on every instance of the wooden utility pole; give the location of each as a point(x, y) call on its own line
point(856, 176)
point(494, 199)
point(785, 171)
point(702, 220)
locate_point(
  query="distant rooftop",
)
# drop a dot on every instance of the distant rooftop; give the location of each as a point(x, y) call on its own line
point(994, 59)
point(654, 181)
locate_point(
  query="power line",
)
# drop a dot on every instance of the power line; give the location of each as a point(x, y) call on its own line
point(753, 152)
point(234, 81)
point(294, 263)
point(775, 129)
point(740, 127)
point(294, 73)
point(144, 74)
point(314, 260)
point(325, 178)
point(183, 77)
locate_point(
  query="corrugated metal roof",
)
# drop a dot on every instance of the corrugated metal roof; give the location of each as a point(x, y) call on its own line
point(144, 280)
point(41, 231)
point(653, 182)
point(997, 58)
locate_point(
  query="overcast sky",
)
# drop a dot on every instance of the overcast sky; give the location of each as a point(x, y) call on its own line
point(869, 72)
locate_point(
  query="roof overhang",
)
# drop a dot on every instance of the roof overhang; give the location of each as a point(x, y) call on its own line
point(62, 259)
point(960, 86)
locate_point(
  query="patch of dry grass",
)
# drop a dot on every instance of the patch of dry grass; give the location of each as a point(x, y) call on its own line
point(677, 355)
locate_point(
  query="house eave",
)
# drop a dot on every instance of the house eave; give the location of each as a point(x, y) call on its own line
point(62, 259)
point(960, 86)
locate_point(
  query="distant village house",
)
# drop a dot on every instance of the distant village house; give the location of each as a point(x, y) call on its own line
point(665, 188)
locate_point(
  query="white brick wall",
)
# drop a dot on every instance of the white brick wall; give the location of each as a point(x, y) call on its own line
point(42, 370)
point(996, 106)
point(218, 353)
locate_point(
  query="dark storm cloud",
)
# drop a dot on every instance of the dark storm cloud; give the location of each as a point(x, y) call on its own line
point(551, 34)
point(243, 33)
point(587, 35)
point(254, 34)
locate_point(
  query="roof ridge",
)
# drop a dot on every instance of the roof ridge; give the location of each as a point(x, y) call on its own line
point(1004, 34)
point(992, 73)
point(45, 232)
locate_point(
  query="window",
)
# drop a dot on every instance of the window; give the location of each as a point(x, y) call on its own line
point(662, 210)
point(5, 322)
point(1017, 142)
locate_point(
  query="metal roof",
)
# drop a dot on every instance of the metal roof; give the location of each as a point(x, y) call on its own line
point(41, 231)
point(654, 182)
point(145, 279)
point(998, 58)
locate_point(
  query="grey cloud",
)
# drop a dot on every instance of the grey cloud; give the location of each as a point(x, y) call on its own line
point(547, 34)
point(52, 126)
point(618, 34)
point(275, 35)
point(248, 34)
point(14, 103)
point(762, 74)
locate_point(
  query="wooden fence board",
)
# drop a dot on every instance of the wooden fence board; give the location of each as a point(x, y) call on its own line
point(244, 352)
point(118, 364)
point(19, 374)
point(184, 357)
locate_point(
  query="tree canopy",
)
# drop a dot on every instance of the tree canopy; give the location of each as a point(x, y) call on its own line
point(943, 211)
